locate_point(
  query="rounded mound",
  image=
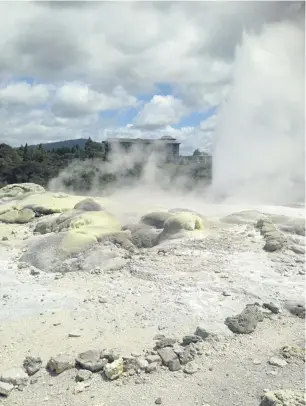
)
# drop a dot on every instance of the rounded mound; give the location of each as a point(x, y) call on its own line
point(17, 189)
point(156, 219)
point(183, 221)
point(88, 204)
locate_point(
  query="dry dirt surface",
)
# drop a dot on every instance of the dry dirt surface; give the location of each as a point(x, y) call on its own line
point(116, 296)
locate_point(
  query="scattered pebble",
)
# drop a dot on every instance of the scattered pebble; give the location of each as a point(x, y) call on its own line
point(74, 334)
point(32, 365)
point(191, 368)
point(277, 362)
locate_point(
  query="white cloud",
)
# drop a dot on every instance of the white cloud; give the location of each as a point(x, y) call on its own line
point(134, 44)
point(77, 99)
point(89, 57)
point(24, 94)
point(209, 124)
point(160, 111)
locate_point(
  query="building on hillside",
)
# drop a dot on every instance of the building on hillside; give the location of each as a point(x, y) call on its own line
point(167, 148)
point(206, 159)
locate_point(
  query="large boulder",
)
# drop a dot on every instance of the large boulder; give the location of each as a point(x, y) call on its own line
point(17, 216)
point(62, 253)
point(75, 241)
point(16, 190)
point(145, 237)
point(274, 239)
point(245, 322)
point(91, 360)
point(48, 203)
point(156, 219)
point(69, 235)
point(88, 204)
point(96, 223)
point(43, 252)
point(183, 221)
point(121, 238)
point(179, 225)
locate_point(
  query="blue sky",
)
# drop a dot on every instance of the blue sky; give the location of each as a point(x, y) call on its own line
point(126, 116)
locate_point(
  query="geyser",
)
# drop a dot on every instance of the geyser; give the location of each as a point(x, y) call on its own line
point(258, 153)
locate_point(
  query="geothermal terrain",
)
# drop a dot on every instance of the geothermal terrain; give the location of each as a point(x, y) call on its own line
point(142, 298)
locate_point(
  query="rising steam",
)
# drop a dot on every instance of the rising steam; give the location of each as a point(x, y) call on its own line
point(259, 141)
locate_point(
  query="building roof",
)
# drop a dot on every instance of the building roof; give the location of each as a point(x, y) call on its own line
point(163, 140)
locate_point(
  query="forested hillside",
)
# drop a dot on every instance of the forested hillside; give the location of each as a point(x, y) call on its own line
point(83, 166)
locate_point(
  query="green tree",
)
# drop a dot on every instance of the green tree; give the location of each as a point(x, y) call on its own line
point(197, 152)
point(89, 149)
point(40, 154)
point(26, 153)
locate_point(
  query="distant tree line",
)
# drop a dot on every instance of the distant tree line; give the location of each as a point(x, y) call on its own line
point(38, 165)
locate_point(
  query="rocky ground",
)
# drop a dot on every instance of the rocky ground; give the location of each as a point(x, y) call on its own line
point(101, 306)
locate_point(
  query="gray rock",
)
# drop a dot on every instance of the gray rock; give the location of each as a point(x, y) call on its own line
point(283, 398)
point(18, 189)
point(74, 334)
point(156, 219)
point(158, 401)
point(151, 368)
point(277, 362)
point(142, 363)
point(5, 388)
point(60, 363)
point(145, 237)
point(296, 308)
point(272, 245)
point(167, 354)
point(270, 306)
point(178, 349)
point(297, 249)
point(91, 360)
point(191, 368)
point(174, 365)
point(191, 339)
point(129, 364)
point(83, 375)
point(34, 272)
point(88, 204)
point(274, 239)
point(245, 322)
point(25, 215)
point(165, 342)
point(32, 365)
point(188, 355)
point(153, 358)
point(15, 376)
point(110, 355)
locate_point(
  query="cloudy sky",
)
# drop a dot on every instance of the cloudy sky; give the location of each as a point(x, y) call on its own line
point(145, 69)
